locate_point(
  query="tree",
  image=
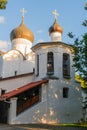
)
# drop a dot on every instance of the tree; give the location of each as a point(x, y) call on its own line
point(80, 53)
point(3, 4)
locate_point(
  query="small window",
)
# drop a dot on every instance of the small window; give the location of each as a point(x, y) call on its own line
point(50, 63)
point(15, 72)
point(3, 91)
point(65, 92)
point(66, 65)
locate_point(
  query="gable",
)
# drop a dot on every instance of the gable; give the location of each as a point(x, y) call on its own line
point(13, 55)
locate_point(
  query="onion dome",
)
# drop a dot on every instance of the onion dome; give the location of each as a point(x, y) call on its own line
point(55, 27)
point(22, 32)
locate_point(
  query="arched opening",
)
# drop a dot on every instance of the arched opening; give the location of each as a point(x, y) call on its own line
point(50, 63)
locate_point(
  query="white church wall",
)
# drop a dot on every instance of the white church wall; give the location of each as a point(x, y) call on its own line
point(12, 110)
point(58, 61)
point(1, 64)
point(16, 82)
point(15, 64)
point(58, 64)
point(21, 44)
point(42, 64)
point(64, 110)
point(58, 51)
point(36, 113)
point(26, 67)
point(56, 36)
point(60, 109)
point(54, 108)
point(10, 67)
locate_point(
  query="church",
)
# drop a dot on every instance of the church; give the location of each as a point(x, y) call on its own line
point(37, 82)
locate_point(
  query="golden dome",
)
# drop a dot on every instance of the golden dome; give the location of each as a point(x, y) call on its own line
point(22, 32)
point(55, 27)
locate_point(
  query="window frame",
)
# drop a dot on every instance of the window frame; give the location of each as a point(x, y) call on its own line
point(50, 63)
point(66, 65)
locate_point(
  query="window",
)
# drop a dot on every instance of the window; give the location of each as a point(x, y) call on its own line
point(65, 92)
point(50, 63)
point(66, 65)
point(37, 73)
point(15, 72)
point(3, 91)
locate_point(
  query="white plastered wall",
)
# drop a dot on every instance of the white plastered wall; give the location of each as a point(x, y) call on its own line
point(13, 62)
point(53, 108)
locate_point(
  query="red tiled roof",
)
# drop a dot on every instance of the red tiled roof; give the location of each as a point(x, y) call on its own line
point(21, 89)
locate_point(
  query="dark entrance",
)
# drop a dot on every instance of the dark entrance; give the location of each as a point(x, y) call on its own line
point(3, 111)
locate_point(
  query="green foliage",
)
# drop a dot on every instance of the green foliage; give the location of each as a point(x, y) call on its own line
point(70, 34)
point(84, 23)
point(80, 58)
point(80, 52)
point(3, 4)
point(85, 6)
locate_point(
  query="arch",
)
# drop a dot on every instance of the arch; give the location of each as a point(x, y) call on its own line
point(66, 65)
point(37, 64)
point(16, 51)
point(50, 63)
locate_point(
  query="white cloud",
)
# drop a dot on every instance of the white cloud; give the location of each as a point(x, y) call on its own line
point(39, 31)
point(4, 45)
point(40, 40)
point(2, 19)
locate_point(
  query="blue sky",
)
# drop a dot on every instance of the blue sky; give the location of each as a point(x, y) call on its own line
point(39, 18)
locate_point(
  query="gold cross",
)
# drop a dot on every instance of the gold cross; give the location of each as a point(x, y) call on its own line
point(23, 11)
point(55, 14)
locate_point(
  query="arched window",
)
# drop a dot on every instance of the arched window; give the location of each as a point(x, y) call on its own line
point(50, 63)
point(66, 65)
point(37, 70)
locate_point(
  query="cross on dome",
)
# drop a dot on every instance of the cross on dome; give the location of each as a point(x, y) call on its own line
point(23, 11)
point(55, 14)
